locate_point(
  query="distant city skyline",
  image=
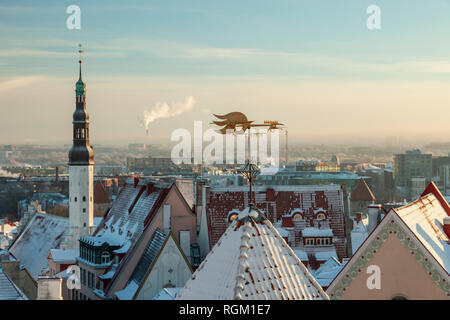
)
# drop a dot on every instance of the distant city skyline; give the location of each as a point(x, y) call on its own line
point(314, 66)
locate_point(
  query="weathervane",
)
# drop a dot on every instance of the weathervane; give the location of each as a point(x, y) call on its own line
point(230, 123)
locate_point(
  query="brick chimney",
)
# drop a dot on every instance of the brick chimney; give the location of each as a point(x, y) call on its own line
point(149, 187)
point(447, 226)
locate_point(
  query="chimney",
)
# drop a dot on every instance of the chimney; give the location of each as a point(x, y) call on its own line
point(359, 217)
point(185, 243)
point(136, 181)
point(49, 288)
point(150, 187)
point(447, 226)
point(166, 218)
point(374, 212)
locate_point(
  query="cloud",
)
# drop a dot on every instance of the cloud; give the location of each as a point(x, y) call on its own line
point(18, 82)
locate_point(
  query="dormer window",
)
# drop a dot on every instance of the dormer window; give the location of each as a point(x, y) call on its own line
point(129, 234)
point(120, 231)
point(106, 257)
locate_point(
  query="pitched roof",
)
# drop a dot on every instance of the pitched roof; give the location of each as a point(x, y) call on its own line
point(425, 217)
point(8, 290)
point(328, 271)
point(362, 192)
point(251, 261)
point(422, 220)
point(64, 256)
point(151, 252)
point(100, 194)
point(43, 232)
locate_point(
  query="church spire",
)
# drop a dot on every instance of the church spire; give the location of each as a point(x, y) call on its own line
point(81, 152)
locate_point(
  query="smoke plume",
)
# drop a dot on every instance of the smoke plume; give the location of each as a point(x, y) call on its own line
point(164, 110)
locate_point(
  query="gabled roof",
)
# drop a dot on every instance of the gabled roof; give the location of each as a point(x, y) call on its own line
point(100, 194)
point(418, 226)
point(251, 261)
point(43, 232)
point(328, 271)
point(362, 192)
point(425, 217)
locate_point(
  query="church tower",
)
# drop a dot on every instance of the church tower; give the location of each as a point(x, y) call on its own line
point(81, 171)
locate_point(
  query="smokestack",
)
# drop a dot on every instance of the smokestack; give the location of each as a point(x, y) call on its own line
point(374, 212)
point(447, 226)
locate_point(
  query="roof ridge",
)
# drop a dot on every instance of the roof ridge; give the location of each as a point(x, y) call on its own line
point(243, 265)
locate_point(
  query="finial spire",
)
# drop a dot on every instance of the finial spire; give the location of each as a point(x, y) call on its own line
point(80, 51)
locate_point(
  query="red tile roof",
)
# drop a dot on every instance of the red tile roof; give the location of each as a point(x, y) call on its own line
point(362, 192)
point(100, 194)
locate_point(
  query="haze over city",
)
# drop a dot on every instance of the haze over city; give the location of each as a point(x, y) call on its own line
point(314, 66)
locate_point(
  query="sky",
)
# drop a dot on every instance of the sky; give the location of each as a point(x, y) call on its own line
point(313, 65)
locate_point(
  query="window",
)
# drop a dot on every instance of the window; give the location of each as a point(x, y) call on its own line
point(297, 217)
point(309, 241)
point(232, 217)
point(75, 199)
point(321, 216)
point(84, 199)
point(106, 257)
point(84, 210)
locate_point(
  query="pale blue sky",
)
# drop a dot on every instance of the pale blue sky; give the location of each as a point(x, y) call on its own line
point(290, 55)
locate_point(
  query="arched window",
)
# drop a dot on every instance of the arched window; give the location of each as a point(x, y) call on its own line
point(321, 216)
point(297, 215)
point(105, 257)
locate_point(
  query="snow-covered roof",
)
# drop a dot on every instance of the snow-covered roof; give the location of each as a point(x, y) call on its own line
point(283, 232)
point(324, 255)
point(43, 232)
point(8, 290)
point(149, 256)
point(316, 232)
point(64, 256)
point(328, 271)
point(425, 218)
point(251, 261)
point(167, 294)
point(358, 235)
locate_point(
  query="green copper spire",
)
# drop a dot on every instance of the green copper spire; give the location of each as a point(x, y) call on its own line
point(80, 86)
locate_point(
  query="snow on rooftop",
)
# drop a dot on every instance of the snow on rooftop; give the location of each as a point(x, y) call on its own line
point(251, 261)
point(167, 294)
point(425, 218)
point(64, 256)
point(326, 273)
point(359, 234)
point(43, 232)
point(128, 292)
point(316, 232)
point(8, 290)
